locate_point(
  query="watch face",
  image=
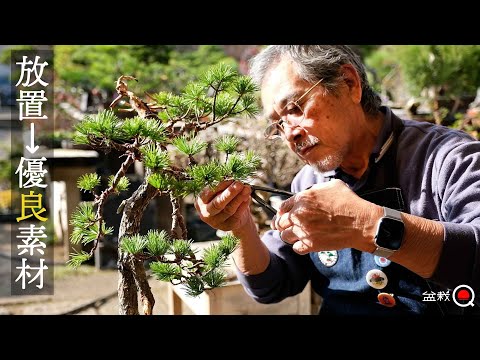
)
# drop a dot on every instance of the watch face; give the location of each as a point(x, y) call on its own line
point(389, 234)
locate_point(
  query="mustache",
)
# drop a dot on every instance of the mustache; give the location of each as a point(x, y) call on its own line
point(310, 141)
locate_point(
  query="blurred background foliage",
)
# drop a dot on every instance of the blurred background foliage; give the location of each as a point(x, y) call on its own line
point(455, 68)
point(157, 67)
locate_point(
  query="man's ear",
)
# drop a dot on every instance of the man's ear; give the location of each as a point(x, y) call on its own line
point(352, 79)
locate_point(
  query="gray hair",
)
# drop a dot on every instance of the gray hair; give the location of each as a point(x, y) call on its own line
point(314, 62)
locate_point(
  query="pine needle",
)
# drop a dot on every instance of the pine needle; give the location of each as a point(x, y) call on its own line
point(227, 144)
point(188, 145)
point(194, 286)
point(181, 248)
point(133, 244)
point(122, 184)
point(88, 182)
point(228, 244)
point(132, 127)
point(103, 125)
point(154, 158)
point(77, 258)
point(208, 174)
point(219, 77)
point(224, 104)
point(248, 106)
point(83, 215)
point(166, 271)
point(162, 182)
point(154, 130)
point(213, 256)
point(157, 242)
point(244, 85)
point(215, 278)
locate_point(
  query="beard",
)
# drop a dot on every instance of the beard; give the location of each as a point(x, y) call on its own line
point(327, 162)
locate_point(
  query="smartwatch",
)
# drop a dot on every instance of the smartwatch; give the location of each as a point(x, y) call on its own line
point(389, 234)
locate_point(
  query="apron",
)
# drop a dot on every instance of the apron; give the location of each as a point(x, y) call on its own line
point(344, 285)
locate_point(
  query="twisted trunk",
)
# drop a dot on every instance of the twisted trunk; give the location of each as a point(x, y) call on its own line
point(132, 274)
point(179, 229)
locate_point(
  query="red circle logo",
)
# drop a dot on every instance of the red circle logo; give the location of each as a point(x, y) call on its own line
point(463, 295)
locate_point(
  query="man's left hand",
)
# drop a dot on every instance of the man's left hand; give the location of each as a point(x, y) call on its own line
point(327, 216)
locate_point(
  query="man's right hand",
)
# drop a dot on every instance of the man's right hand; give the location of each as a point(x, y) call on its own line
point(226, 207)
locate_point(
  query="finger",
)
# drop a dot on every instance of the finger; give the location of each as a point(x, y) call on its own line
point(288, 236)
point(281, 238)
point(287, 205)
point(208, 194)
point(233, 206)
point(283, 222)
point(219, 203)
point(301, 247)
point(247, 189)
point(205, 210)
point(232, 221)
point(244, 206)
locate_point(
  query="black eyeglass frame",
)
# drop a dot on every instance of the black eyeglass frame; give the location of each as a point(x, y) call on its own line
point(269, 132)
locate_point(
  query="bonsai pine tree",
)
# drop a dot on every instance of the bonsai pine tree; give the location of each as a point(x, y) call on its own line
point(166, 123)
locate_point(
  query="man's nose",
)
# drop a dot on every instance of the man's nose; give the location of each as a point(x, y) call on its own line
point(294, 133)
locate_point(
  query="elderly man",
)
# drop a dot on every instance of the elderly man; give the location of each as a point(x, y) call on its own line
point(386, 215)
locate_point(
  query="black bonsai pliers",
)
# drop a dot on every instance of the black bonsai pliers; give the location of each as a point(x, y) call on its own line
point(262, 202)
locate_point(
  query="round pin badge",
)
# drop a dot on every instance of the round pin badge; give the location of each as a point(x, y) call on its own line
point(377, 279)
point(382, 261)
point(328, 258)
point(386, 299)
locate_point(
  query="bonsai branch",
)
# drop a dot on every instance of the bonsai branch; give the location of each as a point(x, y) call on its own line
point(101, 200)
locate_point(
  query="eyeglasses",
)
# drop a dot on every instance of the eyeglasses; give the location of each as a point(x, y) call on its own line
point(293, 117)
